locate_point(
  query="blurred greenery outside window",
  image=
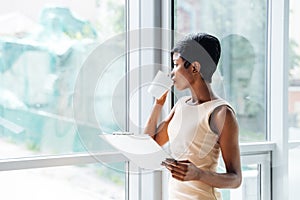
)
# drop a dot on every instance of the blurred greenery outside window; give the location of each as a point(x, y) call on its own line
point(77, 182)
point(42, 49)
point(294, 73)
point(41, 53)
point(294, 99)
point(241, 27)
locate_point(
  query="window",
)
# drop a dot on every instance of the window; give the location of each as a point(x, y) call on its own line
point(242, 68)
point(44, 49)
point(294, 73)
point(256, 179)
point(241, 78)
point(88, 182)
point(294, 100)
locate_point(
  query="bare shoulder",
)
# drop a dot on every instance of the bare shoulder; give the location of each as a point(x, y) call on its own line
point(224, 111)
point(222, 118)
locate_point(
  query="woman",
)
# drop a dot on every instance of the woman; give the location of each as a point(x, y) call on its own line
point(199, 126)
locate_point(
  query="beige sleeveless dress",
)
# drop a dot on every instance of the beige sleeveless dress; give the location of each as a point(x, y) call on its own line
point(192, 139)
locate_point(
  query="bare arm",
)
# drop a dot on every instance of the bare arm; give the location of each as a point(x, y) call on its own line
point(158, 133)
point(223, 122)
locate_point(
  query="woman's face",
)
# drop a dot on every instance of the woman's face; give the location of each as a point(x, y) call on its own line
point(181, 76)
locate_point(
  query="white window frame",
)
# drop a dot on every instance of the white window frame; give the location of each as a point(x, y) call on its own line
point(139, 14)
point(60, 160)
point(33, 162)
point(278, 95)
point(152, 186)
point(143, 47)
point(275, 149)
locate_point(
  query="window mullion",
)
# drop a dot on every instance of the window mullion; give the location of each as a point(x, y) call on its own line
point(278, 121)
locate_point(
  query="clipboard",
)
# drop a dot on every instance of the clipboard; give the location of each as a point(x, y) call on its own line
point(141, 149)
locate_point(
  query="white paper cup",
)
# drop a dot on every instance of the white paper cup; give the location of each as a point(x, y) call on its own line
point(161, 83)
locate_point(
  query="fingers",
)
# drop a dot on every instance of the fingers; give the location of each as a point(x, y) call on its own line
point(178, 169)
point(165, 93)
point(163, 98)
point(177, 164)
point(166, 165)
point(183, 170)
point(177, 173)
point(178, 176)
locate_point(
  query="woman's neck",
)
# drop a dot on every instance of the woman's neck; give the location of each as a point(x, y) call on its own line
point(201, 92)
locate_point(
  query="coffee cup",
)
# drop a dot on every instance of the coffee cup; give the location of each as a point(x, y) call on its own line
point(160, 84)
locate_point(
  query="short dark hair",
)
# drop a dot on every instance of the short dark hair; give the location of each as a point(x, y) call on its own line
point(201, 47)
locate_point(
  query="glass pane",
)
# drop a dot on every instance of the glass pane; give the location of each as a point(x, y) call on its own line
point(46, 49)
point(294, 72)
point(294, 99)
point(249, 189)
point(88, 182)
point(242, 66)
point(294, 174)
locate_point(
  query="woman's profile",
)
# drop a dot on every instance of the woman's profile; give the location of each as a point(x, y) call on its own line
point(199, 127)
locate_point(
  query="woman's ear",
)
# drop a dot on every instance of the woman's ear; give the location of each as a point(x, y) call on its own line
point(196, 67)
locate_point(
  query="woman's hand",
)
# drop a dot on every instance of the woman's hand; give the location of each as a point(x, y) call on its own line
point(161, 101)
point(182, 170)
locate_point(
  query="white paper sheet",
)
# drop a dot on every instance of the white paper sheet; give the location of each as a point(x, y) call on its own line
point(141, 149)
